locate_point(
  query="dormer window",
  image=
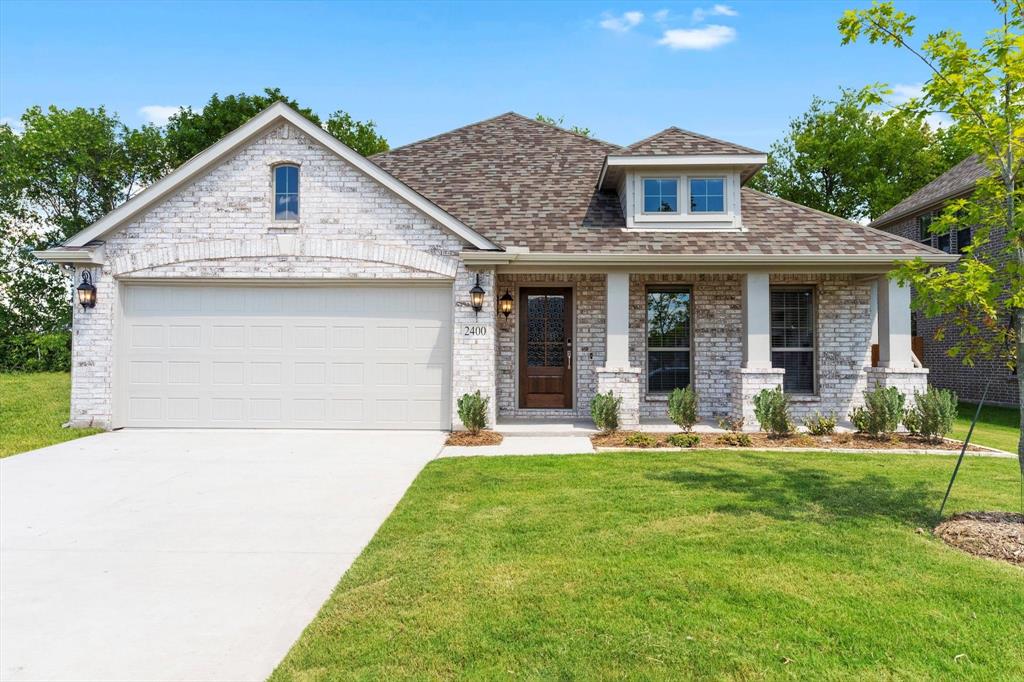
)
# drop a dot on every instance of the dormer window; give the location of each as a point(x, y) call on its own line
point(286, 192)
point(707, 195)
point(661, 195)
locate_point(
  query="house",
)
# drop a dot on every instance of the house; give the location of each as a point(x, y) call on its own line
point(911, 219)
point(279, 279)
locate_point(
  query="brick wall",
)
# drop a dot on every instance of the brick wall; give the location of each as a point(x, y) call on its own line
point(951, 373)
point(222, 226)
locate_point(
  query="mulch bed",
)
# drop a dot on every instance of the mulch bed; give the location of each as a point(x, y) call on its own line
point(801, 440)
point(996, 535)
point(466, 438)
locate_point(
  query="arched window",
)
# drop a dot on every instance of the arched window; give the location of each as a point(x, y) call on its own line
point(286, 192)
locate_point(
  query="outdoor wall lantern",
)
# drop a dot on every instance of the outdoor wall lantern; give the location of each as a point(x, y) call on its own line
point(476, 295)
point(505, 304)
point(86, 291)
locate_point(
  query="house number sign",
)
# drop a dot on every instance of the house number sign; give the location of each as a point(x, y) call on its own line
point(474, 330)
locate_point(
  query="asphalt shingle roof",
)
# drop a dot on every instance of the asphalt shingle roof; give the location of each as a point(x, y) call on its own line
point(525, 183)
point(954, 182)
point(678, 142)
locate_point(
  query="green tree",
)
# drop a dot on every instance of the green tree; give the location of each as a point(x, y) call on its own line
point(982, 90)
point(845, 158)
point(560, 122)
point(66, 169)
point(361, 136)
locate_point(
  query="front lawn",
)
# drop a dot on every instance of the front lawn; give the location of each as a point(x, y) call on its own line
point(683, 565)
point(33, 407)
point(998, 427)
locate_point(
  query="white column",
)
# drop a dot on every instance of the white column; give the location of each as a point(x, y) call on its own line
point(757, 346)
point(894, 325)
point(617, 316)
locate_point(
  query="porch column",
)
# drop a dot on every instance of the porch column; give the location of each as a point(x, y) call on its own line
point(893, 325)
point(895, 357)
point(757, 346)
point(617, 375)
point(755, 372)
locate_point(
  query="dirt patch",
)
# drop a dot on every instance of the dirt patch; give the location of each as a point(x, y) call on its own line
point(467, 438)
point(800, 440)
point(996, 535)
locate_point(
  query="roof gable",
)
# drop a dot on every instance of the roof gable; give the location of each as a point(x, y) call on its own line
point(678, 142)
point(272, 116)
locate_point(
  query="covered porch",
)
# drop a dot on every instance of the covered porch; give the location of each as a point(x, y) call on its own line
point(642, 330)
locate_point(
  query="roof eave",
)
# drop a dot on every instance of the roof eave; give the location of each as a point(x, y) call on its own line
point(744, 161)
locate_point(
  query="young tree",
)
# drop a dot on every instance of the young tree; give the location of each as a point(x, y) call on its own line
point(845, 158)
point(982, 90)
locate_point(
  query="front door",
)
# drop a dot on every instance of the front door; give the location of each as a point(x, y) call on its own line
point(545, 348)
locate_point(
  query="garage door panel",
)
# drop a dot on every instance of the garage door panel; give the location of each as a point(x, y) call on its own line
point(323, 357)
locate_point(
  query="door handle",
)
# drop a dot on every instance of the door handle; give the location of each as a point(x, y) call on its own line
point(568, 352)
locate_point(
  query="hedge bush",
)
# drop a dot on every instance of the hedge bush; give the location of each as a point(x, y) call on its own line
point(604, 410)
point(682, 408)
point(819, 424)
point(771, 407)
point(881, 413)
point(684, 440)
point(932, 414)
point(473, 412)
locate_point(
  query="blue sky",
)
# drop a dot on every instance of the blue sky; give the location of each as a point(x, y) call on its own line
point(736, 70)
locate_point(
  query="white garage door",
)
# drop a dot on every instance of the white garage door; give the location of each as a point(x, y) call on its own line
point(285, 357)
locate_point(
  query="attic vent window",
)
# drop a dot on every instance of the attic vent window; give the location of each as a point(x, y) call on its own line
point(661, 195)
point(286, 192)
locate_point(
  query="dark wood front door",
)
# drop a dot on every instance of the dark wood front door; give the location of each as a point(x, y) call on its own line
point(545, 348)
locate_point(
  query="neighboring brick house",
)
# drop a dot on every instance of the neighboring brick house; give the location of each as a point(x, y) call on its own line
point(279, 279)
point(911, 218)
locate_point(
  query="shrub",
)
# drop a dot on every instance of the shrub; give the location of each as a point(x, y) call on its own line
point(736, 440)
point(880, 416)
point(734, 424)
point(639, 439)
point(604, 410)
point(771, 406)
point(932, 414)
point(819, 424)
point(473, 412)
point(682, 408)
point(684, 440)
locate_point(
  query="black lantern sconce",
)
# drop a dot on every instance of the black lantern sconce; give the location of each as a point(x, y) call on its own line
point(86, 291)
point(476, 295)
point(505, 304)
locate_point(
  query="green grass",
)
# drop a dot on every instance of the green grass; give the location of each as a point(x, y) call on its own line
point(32, 408)
point(714, 565)
point(998, 427)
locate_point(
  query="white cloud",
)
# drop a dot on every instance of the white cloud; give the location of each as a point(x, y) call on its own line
point(622, 23)
point(904, 92)
point(661, 15)
point(700, 14)
point(15, 123)
point(706, 38)
point(157, 113)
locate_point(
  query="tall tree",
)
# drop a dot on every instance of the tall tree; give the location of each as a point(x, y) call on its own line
point(560, 122)
point(361, 136)
point(845, 158)
point(189, 132)
point(66, 169)
point(982, 90)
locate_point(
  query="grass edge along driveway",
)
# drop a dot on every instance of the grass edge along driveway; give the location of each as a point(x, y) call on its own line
point(32, 408)
point(703, 564)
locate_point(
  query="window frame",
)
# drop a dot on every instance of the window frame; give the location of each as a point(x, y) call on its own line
point(813, 350)
point(962, 244)
point(274, 193)
point(924, 234)
point(643, 195)
point(667, 289)
point(689, 197)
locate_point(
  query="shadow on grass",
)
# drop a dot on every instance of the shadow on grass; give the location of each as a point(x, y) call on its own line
point(788, 491)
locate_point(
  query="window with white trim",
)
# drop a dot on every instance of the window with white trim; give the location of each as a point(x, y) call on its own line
point(707, 195)
point(661, 195)
point(793, 338)
point(286, 192)
point(668, 339)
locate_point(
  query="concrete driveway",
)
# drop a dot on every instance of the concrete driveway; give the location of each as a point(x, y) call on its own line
point(185, 555)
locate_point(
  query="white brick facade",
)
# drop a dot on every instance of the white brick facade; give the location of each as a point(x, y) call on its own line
point(221, 227)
